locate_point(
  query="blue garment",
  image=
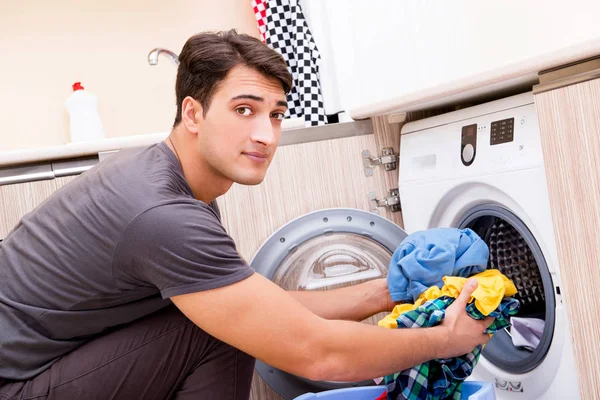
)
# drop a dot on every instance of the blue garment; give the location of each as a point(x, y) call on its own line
point(424, 257)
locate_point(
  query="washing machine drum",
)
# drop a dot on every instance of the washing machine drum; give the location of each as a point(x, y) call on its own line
point(515, 252)
point(322, 250)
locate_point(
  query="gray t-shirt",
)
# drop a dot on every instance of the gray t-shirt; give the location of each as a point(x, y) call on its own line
point(108, 248)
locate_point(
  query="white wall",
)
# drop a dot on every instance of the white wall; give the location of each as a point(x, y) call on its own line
point(46, 46)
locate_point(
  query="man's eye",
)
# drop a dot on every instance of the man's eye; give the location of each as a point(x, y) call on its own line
point(244, 111)
point(278, 116)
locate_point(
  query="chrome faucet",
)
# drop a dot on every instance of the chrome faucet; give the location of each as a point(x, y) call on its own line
point(154, 53)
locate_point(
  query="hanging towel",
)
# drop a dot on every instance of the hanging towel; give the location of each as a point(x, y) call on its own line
point(282, 27)
point(260, 12)
point(526, 332)
point(492, 288)
point(442, 378)
point(424, 257)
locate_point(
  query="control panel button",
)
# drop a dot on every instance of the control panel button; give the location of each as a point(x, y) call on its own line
point(468, 153)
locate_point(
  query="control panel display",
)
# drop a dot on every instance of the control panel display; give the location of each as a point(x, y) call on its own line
point(502, 131)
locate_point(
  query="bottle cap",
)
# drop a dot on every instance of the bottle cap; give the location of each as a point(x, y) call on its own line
point(77, 86)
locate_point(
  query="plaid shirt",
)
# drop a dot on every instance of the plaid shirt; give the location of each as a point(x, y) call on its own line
point(442, 378)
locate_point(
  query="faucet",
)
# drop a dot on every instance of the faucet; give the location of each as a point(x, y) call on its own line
point(154, 53)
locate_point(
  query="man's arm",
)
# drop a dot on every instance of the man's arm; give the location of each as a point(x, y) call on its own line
point(258, 317)
point(353, 303)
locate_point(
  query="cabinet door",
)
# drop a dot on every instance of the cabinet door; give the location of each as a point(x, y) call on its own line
point(569, 120)
point(302, 178)
point(19, 199)
point(389, 49)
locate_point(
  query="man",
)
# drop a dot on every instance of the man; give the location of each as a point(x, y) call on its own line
point(124, 284)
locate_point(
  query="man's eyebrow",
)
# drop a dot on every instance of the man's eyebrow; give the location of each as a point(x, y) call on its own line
point(257, 98)
point(248, 96)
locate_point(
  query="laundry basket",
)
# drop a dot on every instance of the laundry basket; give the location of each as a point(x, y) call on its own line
point(471, 390)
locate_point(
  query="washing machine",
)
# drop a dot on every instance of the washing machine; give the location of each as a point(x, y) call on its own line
point(322, 250)
point(482, 168)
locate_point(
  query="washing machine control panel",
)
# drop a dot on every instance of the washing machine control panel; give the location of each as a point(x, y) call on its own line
point(471, 144)
point(468, 144)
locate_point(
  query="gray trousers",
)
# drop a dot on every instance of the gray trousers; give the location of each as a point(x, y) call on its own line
point(162, 356)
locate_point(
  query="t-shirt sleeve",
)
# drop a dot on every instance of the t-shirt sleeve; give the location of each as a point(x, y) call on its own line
point(179, 249)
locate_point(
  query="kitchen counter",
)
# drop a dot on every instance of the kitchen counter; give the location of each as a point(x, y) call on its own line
point(77, 149)
point(30, 160)
point(502, 81)
point(94, 147)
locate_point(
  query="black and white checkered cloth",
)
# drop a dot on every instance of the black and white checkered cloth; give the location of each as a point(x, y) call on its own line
point(283, 27)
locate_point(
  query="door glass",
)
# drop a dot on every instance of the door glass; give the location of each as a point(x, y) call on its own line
point(331, 261)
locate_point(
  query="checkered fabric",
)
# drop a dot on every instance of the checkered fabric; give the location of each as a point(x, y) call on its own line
point(260, 12)
point(283, 27)
point(442, 378)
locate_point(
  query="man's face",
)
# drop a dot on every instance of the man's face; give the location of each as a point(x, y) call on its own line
point(239, 135)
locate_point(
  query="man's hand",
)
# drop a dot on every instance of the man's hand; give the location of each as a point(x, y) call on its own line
point(463, 333)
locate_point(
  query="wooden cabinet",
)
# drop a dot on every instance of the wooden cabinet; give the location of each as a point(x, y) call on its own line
point(19, 199)
point(569, 120)
point(307, 177)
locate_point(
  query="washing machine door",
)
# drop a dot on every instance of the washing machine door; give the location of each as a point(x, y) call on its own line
point(323, 250)
point(515, 252)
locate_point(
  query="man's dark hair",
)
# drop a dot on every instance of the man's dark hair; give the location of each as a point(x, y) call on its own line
point(207, 57)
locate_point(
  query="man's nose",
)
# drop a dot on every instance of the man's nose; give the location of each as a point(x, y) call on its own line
point(264, 133)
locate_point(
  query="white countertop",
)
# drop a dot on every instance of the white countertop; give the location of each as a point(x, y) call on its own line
point(77, 149)
point(521, 74)
point(89, 148)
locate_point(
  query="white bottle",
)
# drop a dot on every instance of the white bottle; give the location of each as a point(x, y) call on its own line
point(85, 123)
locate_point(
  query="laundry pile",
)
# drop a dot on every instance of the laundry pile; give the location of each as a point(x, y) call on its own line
point(429, 270)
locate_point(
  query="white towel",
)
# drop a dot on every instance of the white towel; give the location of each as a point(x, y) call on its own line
point(526, 332)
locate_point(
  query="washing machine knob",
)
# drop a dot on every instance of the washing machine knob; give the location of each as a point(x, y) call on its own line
point(468, 153)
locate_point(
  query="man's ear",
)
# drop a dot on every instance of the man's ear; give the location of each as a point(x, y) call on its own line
point(191, 111)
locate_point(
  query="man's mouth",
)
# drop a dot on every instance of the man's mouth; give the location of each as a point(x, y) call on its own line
point(256, 156)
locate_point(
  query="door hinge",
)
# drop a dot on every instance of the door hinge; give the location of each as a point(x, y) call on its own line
point(392, 201)
point(388, 159)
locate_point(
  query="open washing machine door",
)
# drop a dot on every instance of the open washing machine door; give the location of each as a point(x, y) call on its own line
point(323, 250)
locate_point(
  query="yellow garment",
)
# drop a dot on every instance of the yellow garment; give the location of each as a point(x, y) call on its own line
point(492, 287)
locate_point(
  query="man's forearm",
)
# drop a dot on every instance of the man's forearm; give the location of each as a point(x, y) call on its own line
point(376, 351)
point(353, 303)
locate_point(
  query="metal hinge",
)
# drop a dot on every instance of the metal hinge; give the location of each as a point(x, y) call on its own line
point(392, 201)
point(388, 159)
